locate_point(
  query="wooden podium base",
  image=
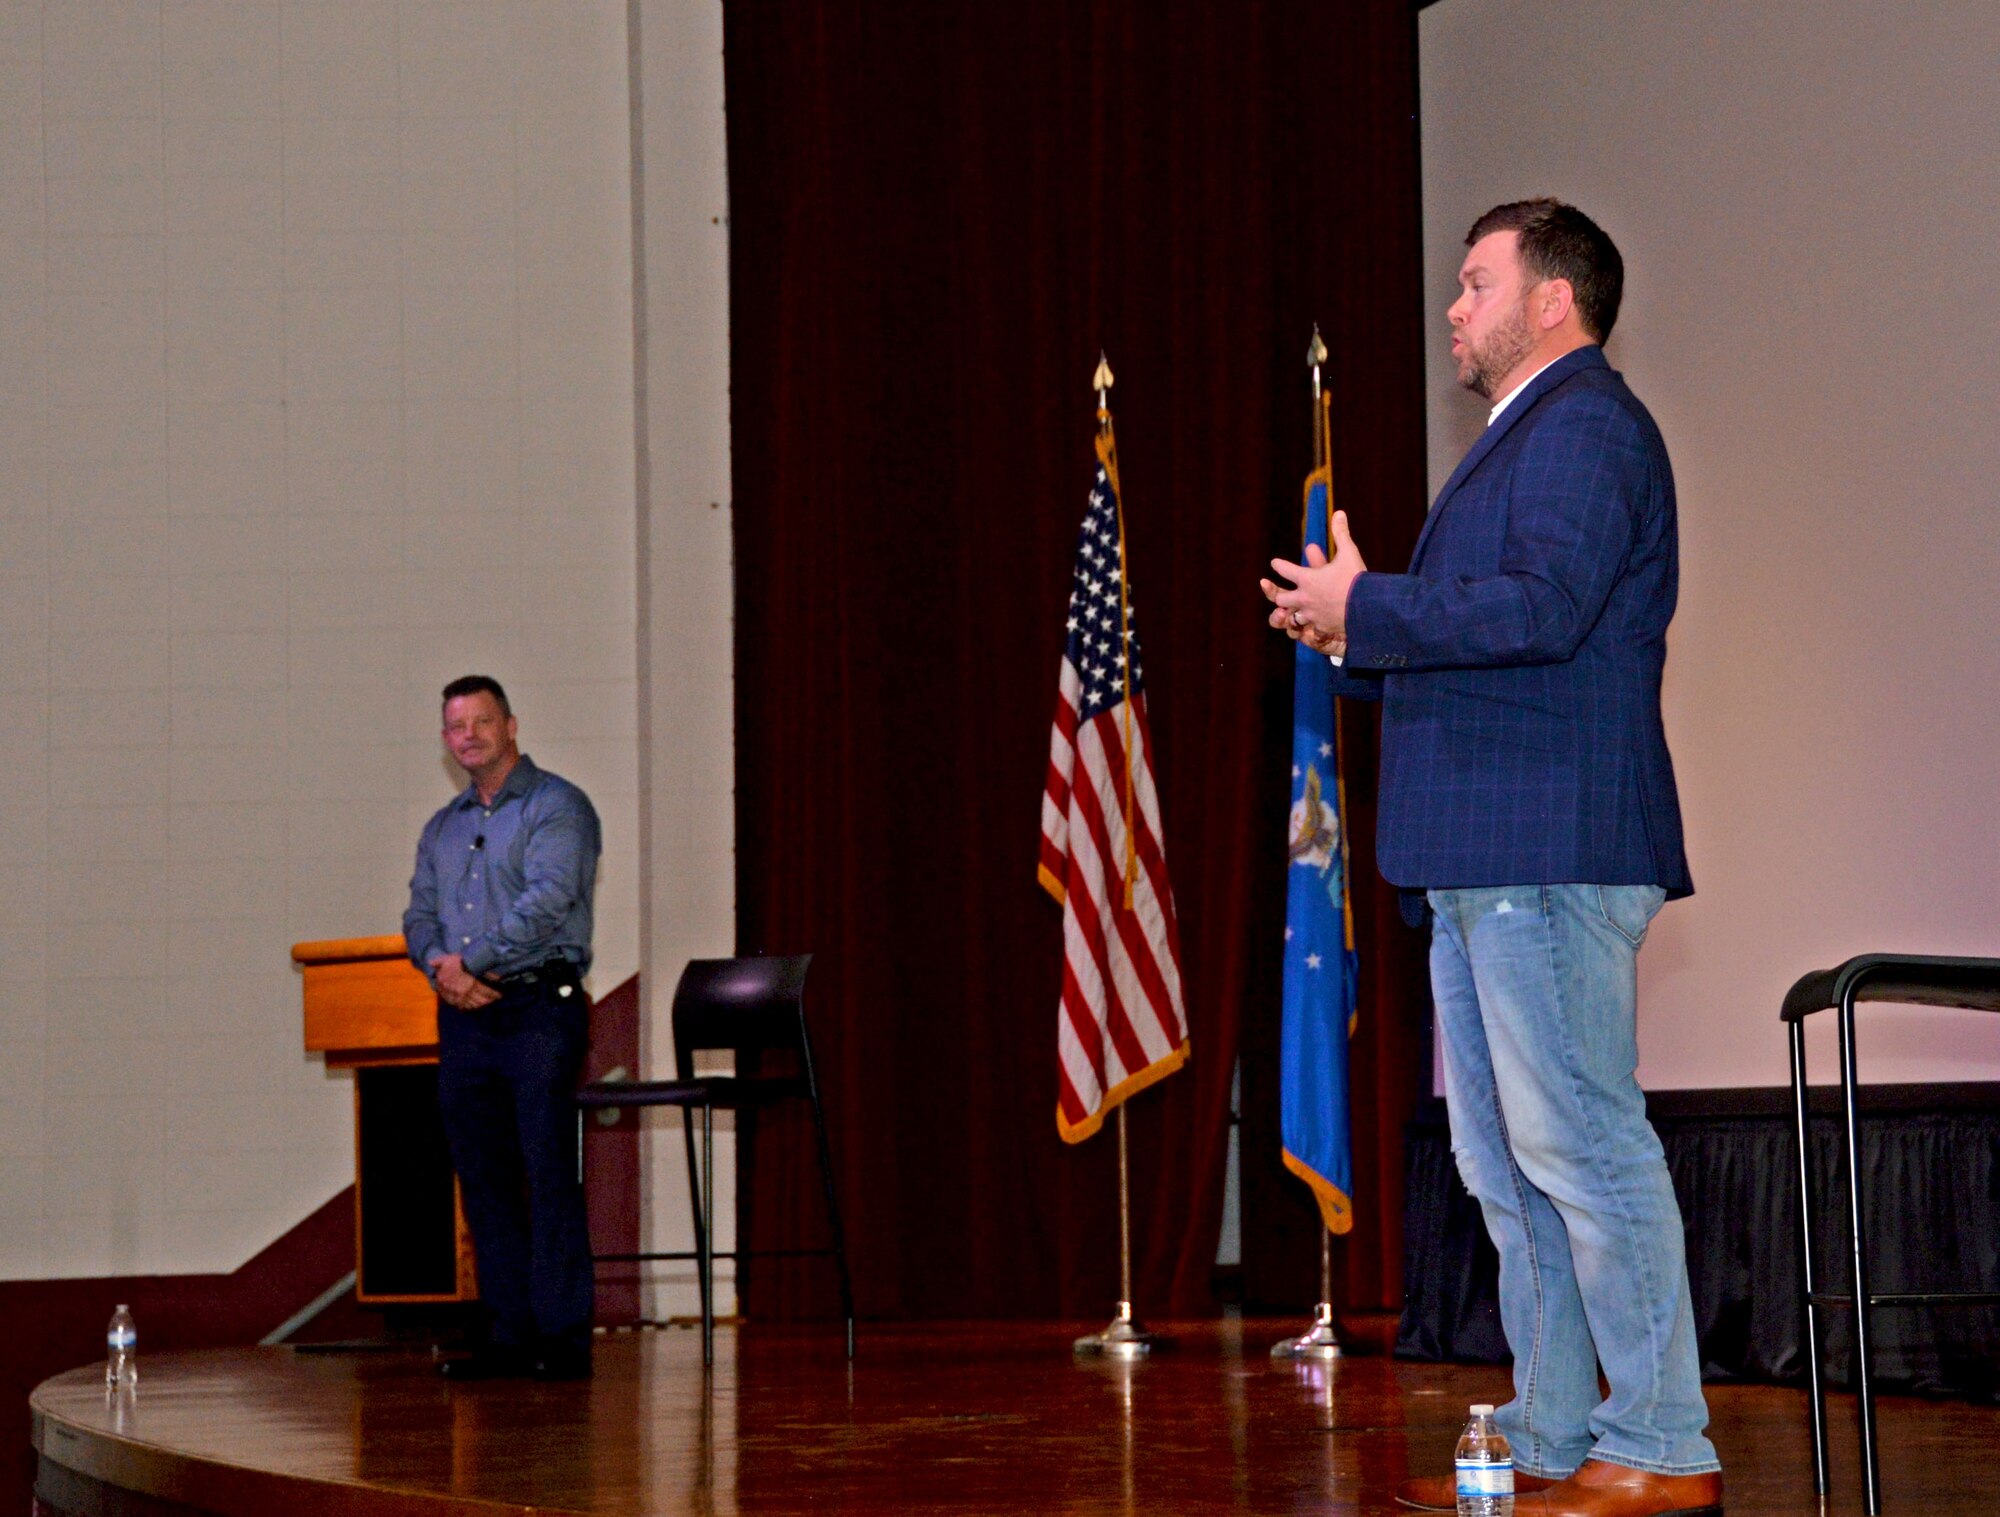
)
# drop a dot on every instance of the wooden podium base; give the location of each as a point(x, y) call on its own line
point(368, 1010)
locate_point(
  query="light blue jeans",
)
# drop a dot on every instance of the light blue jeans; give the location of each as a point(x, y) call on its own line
point(1536, 989)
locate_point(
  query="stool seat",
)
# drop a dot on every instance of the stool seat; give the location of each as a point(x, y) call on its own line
point(725, 1092)
point(1909, 979)
point(752, 1007)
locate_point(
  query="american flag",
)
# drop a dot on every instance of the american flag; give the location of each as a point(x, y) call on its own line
point(1122, 1024)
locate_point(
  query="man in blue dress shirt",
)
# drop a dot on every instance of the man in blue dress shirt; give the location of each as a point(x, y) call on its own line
point(499, 920)
point(1528, 800)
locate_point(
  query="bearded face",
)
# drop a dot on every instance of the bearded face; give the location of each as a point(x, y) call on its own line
point(1486, 359)
point(1492, 330)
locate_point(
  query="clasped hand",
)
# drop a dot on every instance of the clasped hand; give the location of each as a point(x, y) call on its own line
point(1314, 609)
point(457, 987)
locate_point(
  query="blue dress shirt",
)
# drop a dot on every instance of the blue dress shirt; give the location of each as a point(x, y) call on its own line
point(508, 885)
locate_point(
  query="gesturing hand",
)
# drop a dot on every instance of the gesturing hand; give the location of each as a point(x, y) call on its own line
point(1318, 594)
point(1292, 624)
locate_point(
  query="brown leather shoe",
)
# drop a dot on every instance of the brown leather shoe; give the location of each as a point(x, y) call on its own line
point(1602, 1489)
point(1439, 1493)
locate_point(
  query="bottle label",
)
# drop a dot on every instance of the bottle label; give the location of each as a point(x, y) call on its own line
point(122, 1337)
point(1477, 1477)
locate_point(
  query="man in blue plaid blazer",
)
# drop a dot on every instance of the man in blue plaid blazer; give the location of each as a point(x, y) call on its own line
point(1527, 793)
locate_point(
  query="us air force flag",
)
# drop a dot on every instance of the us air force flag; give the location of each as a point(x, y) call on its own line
point(1319, 998)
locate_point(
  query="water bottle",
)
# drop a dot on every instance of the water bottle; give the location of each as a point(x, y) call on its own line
point(121, 1351)
point(1485, 1468)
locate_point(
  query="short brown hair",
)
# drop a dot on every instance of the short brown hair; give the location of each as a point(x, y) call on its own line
point(1558, 241)
point(478, 684)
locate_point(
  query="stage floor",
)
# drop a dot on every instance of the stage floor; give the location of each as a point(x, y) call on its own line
point(962, 1419)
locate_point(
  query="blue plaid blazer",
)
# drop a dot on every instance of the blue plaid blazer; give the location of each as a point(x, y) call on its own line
point(1518, 661)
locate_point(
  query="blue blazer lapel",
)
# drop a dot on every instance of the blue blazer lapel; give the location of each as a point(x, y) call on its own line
point(1540, 385)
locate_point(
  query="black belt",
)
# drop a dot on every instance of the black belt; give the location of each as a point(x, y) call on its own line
point(555, 971)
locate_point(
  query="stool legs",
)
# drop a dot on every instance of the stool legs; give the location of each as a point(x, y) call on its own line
point(707, 1208)
point(1802, 1135)
point(698, 1178)
point(1850, 1115)
point(833, 1221)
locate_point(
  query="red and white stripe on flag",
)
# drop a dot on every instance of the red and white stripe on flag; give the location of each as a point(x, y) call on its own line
point(1122, 1023)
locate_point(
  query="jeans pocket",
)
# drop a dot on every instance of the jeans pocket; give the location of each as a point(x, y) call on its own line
point(1628, 910)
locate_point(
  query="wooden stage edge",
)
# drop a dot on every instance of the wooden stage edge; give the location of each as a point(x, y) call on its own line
point(959, 1419)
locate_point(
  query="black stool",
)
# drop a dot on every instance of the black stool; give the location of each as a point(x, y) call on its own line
point(750, 1007)
point(1912, 980)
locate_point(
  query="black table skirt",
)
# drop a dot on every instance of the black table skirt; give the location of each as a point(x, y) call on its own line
point(1932, 1157)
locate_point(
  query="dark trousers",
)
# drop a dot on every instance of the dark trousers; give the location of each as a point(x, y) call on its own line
point(507, 1084)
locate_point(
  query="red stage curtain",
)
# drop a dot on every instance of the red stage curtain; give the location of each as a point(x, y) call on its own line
point(938, 214)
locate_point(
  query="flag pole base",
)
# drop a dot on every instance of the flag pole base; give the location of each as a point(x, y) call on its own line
point(1319, 1342)
point(1123, 1339)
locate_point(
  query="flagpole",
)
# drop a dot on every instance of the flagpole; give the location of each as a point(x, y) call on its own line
point(1102, 381)
point(1125, 1337)
point(1319, 1342)
point(1124, 1218)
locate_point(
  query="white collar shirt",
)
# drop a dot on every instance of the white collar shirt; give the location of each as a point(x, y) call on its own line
point(1508, 399)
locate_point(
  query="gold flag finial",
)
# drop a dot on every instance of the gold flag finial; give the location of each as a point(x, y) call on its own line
point(1101, 380)
point(1316, 353)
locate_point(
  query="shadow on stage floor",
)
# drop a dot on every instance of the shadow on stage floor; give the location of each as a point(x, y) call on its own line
point(966, 1418)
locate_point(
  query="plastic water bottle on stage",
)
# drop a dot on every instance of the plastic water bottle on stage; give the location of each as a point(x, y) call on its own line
point(1485, 1468)
point(121, 1351)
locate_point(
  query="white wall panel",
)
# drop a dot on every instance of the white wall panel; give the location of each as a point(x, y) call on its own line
point(687, 692)
point(1806, 203)
point(318, 393)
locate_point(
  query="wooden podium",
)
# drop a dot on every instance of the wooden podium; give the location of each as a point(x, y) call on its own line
point(368, 1009)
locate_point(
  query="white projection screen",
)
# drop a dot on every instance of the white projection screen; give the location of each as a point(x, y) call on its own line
point(1807, 195)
